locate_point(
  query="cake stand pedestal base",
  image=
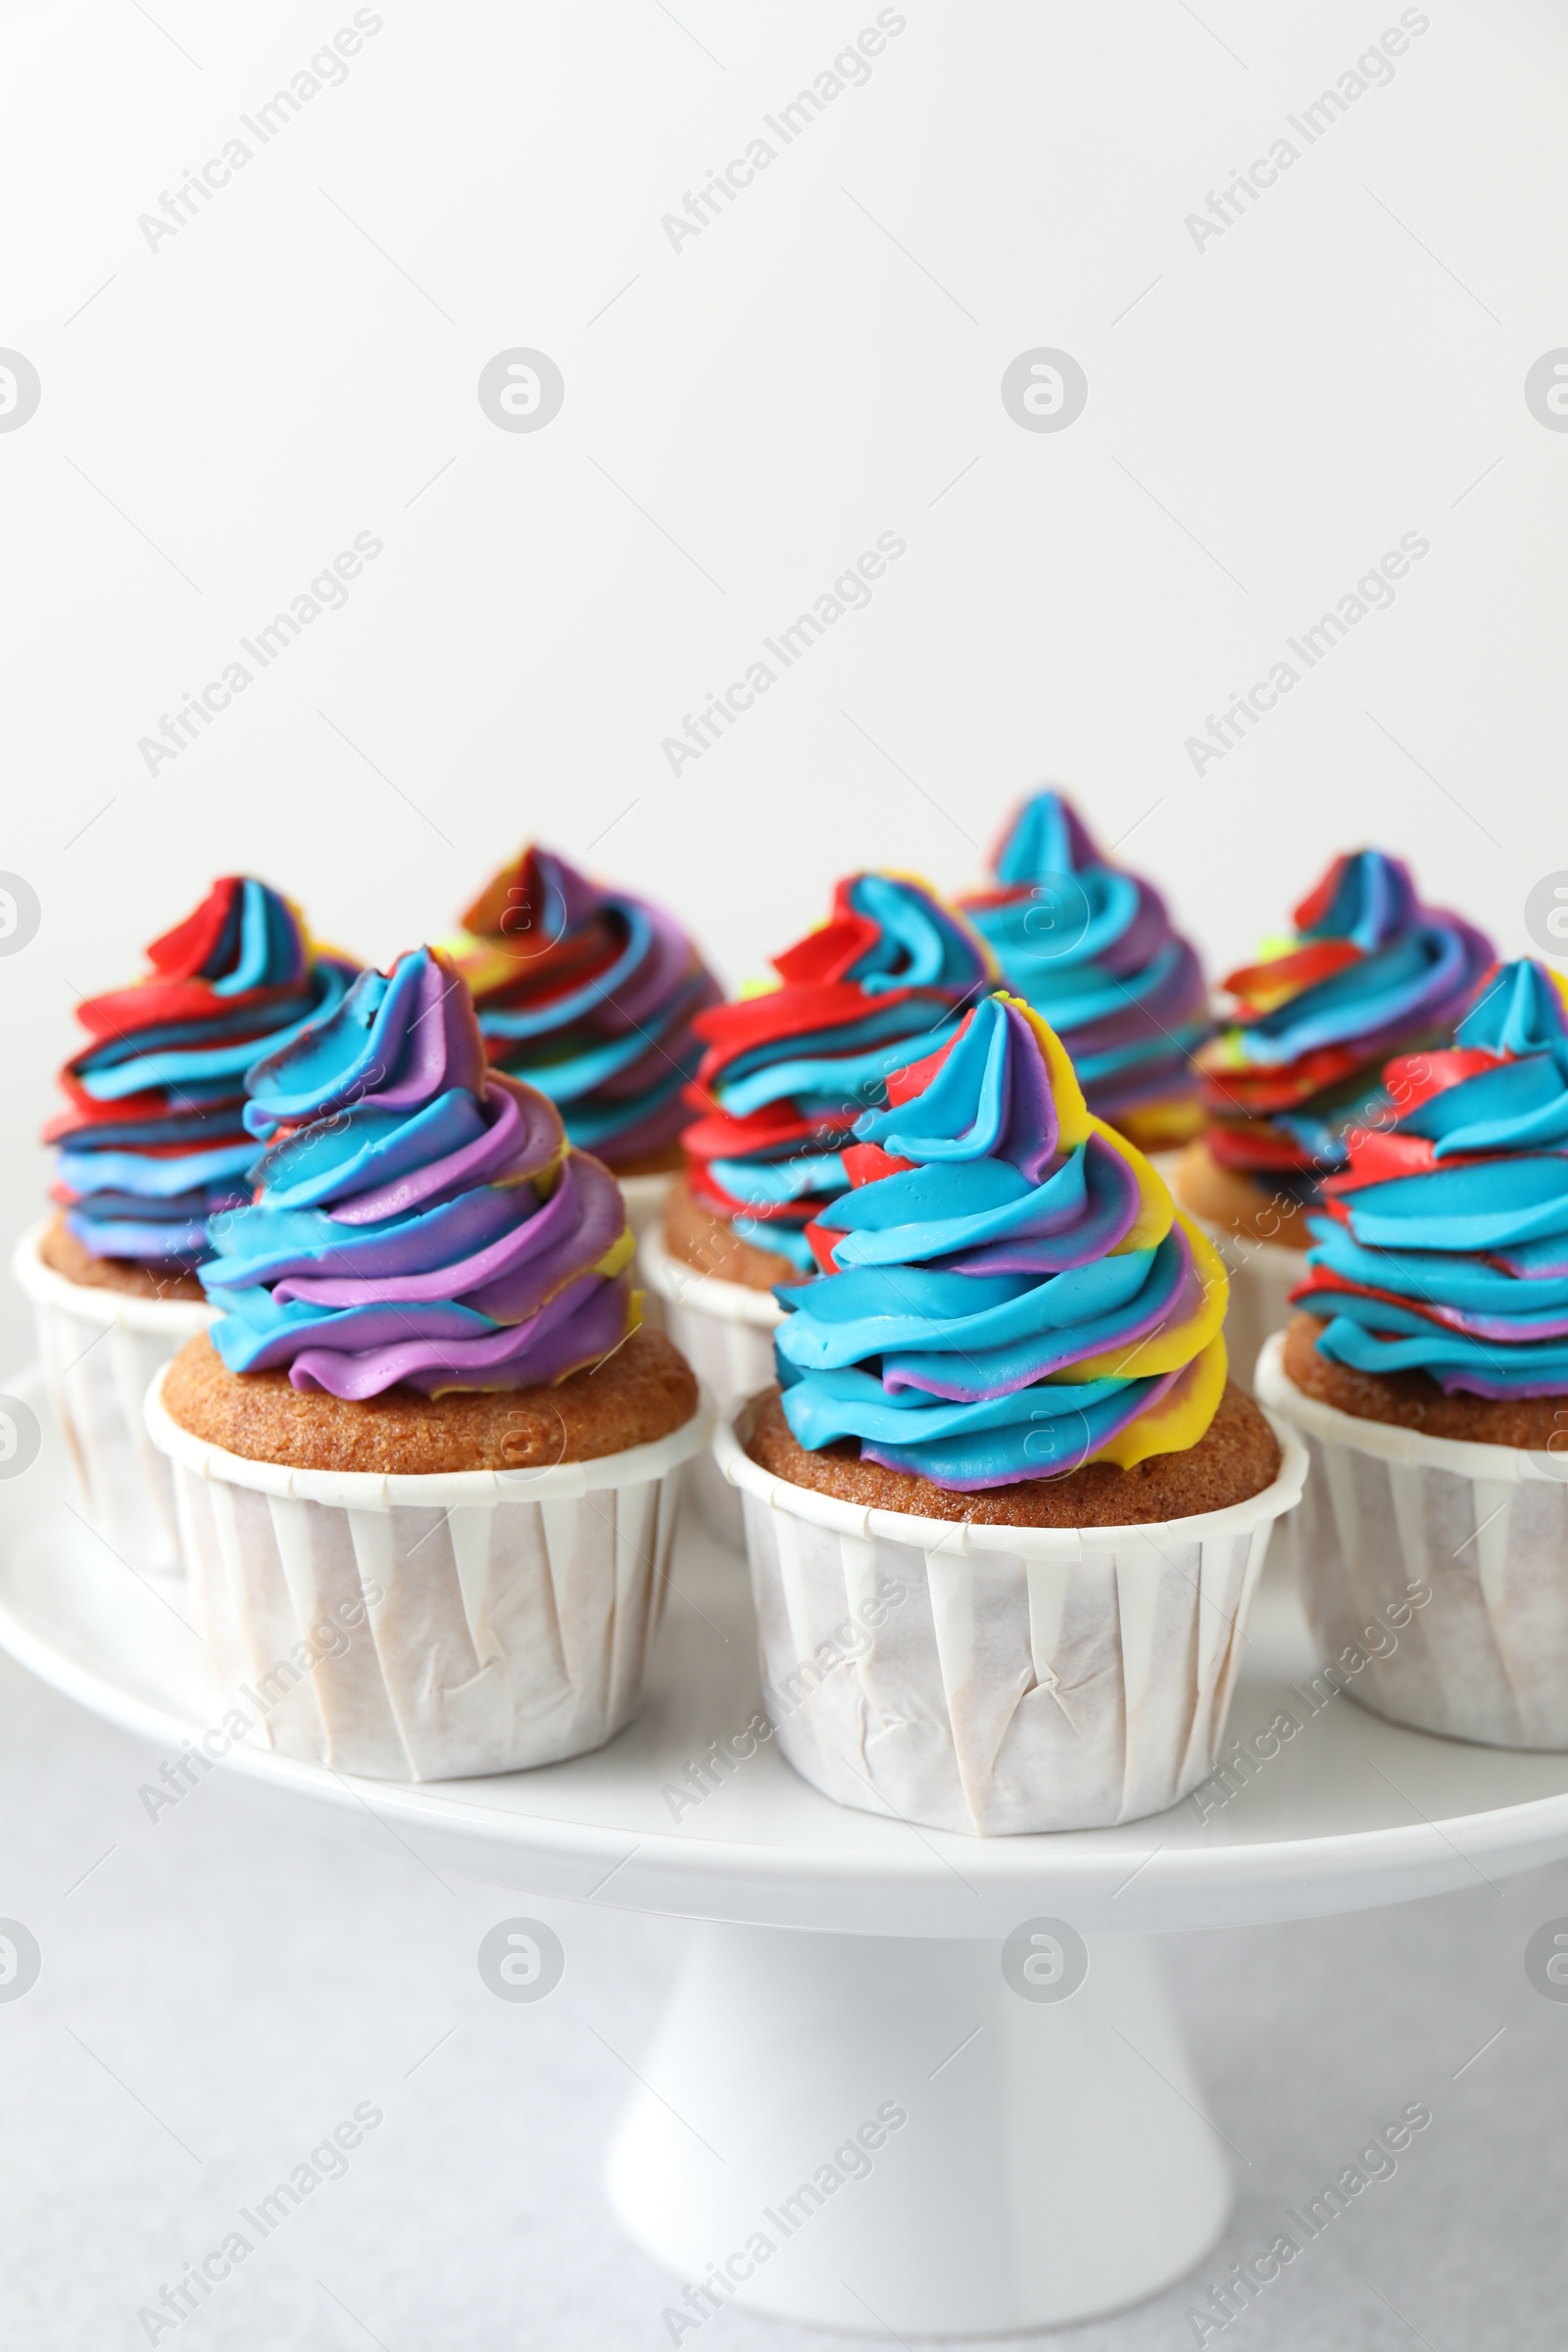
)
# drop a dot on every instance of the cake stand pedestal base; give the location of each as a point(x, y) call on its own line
point(1033, 2160)
point(861, 2109)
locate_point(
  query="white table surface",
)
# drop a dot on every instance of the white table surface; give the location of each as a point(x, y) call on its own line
point(221, 1990)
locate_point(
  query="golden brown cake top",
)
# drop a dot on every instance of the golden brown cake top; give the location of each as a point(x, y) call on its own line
point(709, 1245)
point(1414, 1400)
point(64, 1255)
point(1236, 1458)
point(638, 1395)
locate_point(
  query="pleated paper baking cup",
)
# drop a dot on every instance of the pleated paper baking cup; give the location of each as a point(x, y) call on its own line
point(998, 1679)
point(1434, 1573)
point(101, 1351)
point(1263, 1275)
point(429, 1627)
point(725, 1332)
point(645, 1198)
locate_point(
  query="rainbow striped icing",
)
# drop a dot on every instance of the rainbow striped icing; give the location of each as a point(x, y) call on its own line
point(1008, 1291)
point(419, 1217)
point(1370, 971)
point(789, 1069)
point(1092, 948)
point(589, 995)
point(1445, 1249)
point(154, 1142)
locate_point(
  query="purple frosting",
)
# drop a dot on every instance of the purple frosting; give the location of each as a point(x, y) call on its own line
point(418, 1219)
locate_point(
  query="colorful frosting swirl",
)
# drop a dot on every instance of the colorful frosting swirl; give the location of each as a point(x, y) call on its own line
point(1092, 950)
point(1370, 973)
point(1445, 1249)
point(419, 1218)
point(588, 995)
point(1008, 1291)
point(154, 1142)
point(789, 1069)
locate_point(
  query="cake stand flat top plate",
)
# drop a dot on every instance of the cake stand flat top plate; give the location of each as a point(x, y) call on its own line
point(1352, 1813)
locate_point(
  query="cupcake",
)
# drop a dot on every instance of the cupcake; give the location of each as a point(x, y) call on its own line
point(427, 1461)
point(1428, 1371)
point(151, 1146)
point(589, 995)
point(1005, 1511)
point(1092, 948)
point(1369, 972)
point(786, 1073)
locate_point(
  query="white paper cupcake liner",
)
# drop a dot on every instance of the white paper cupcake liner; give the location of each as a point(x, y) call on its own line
point(101, 1351)
point(725, 1333)
point(431, 1627)
point(645, 1198)
point(998, 1679)
point(1390, 1514)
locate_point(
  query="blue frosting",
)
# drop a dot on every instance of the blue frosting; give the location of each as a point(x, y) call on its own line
point(1447, 1250)
point(1090, 947)
point(1017, 1299)
point(154, 1145)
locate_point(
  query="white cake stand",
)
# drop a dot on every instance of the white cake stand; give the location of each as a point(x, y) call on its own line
point(1054, 2159)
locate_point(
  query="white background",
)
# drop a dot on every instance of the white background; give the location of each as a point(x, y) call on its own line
point(298, 364)
point(300, 360)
